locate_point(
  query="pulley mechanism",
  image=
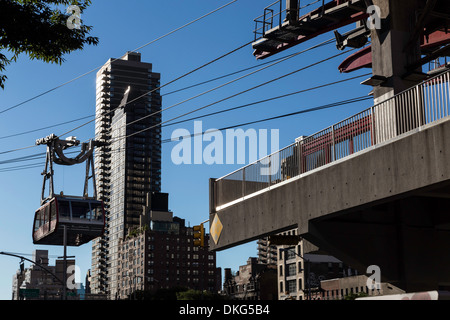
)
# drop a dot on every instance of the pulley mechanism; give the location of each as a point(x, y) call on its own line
point(68, 220)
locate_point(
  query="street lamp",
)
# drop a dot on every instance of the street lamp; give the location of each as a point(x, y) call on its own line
point(37, 264)
point(308, 265)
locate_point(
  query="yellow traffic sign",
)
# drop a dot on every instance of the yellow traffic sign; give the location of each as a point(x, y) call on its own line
point(216, 229)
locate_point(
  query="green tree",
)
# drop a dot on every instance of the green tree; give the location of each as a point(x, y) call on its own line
point(198, 295)
point(354, 296)
point(160, 294)
point(39, 29)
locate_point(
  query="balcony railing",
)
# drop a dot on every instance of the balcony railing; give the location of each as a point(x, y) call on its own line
point(277, 13)
point(422, 104)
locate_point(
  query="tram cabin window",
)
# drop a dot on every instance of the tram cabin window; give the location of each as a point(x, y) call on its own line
point(81, 210)
point(97, 211)
point(64, 209)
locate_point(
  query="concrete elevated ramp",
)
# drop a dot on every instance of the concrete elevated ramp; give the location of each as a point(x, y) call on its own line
point(387, 205)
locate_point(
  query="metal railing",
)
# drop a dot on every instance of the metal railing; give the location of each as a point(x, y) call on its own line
point(275, 14)
point(422, 104)
point(269, 19)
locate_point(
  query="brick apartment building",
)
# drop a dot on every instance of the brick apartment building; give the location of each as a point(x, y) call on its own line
point(161, 255)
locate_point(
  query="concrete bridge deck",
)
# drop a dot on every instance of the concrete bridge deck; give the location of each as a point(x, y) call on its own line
point(384, 201)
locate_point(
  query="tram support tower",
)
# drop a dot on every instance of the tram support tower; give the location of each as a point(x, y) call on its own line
point(386, 204)
point(395, 48)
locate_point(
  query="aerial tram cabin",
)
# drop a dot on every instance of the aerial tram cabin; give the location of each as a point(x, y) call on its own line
point(83, 219)
point(64, 220)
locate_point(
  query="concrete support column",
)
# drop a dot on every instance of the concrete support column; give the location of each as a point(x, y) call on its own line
point(395, 47)
point(389, 44)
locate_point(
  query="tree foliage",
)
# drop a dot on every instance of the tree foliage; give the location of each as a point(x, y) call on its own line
point(175, 293)
point(39, 29)
point(198, 295)
point(354, 296)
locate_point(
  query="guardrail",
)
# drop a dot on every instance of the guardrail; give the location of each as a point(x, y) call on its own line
point(422, 104)
point(269, 19)
point(276, 13)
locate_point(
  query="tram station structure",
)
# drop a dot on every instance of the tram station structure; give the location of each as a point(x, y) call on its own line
point(373, 189)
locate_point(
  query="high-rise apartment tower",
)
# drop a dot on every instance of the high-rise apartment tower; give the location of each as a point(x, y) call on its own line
point(128, 167)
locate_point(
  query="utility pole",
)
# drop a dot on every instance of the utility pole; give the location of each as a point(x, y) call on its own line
point(64, 257)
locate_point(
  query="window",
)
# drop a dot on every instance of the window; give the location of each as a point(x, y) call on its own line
point(291, 286)
point(81, 210)
point(281, 286)
point(291, 270)
point(290, 254)
point(64, 209)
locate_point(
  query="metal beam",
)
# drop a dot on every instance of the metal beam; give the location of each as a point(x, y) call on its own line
point(355, 14)
point(429, 6)
point(432, 56)
point(363, 58)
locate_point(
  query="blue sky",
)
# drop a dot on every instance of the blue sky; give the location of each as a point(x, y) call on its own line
point(123, 26)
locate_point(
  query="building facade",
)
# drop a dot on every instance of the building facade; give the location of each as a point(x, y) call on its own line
point(301, 274)
point(35, 283)
point(253, 281)
point(291, 272)
point(267, 254)
point(128, 167)
point(160, 254)
point(339, 289)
